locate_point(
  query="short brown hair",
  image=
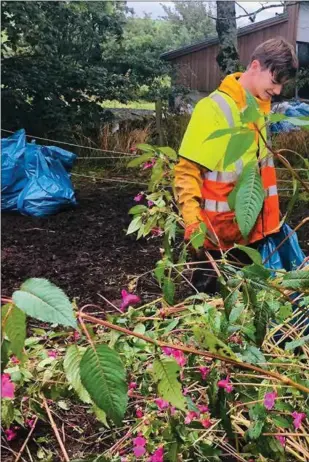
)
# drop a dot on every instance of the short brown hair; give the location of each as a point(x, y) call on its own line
point(279, 56)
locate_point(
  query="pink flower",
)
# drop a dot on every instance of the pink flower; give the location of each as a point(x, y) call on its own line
point(52, 354)
point(132, 385)
point(10, 434)
point(139, 441)
point(139, 413)
point(206, 423)
point(173, 410)
point(204, 371)
point(298, 418)
point(149, 164)
point(157, 231)
point(139, 451)
point(30, 422)
point(203, 408)
point(7, 386)
point(76, 335)
point(167, 350)
point(185, 391)
point(269, 400)
point(15, 360)
point(128, 299)
point(190, 416)
point(179, 357)
point(281, 439)
point(157, 456)
point(226, 384)
point(150, 203)
point(161, 403)
point(138, 197)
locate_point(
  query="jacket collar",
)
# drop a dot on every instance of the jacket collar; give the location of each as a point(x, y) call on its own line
point(235, 90)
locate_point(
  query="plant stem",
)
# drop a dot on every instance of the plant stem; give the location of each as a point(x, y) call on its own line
point(55, 429)
point(243, 365)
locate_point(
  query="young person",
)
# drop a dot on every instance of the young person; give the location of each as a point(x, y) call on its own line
point(202, 185)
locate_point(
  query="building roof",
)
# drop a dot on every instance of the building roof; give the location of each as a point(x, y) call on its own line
point(170, 55)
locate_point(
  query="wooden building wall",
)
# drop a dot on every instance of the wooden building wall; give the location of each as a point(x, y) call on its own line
point(199, 70)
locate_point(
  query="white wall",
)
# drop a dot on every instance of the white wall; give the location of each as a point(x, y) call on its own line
point(303, 23)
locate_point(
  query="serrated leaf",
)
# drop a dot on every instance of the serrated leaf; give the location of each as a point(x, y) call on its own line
point(134, 225)
point(296, 280)
point(253, 355)
point(238, 145)
point(251, 113)
point(256, 272)
point(71, 365)
point(159, 270)
point(169, 152)
point(15, 328)
point(156, 175)
point(137, 209)
point(169, 290)
point(208, 340)
point(44, 301)
point(296, 343)
point(280, 421)
point(249, 198)
point(103, 375)
point(224, 131)
point(140, 160)
point(165, 372)
point(236, 311)
point(252, 253)
point(100, 415)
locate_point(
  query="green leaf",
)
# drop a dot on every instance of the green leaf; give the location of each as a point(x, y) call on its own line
point(256, 272)
point(5, 348)
point(137, 209)
point(156, 175)
point(280, 421)
point(252, 253)
point(165, 373)
point(251, 113)
point(71, 365)
point(134, 225)
point(298, 122)
point(296, 343)
point(7, 412)
point(198, 236)
point(103, 375)
point(224, 131)
point(236, 311)
point(296, 280)
point(159, 270)
point(276, 117)
point(253, 355)
point(249, 198)
point(140, 160)
point(255, 429)
point(145, 147)
point(15, 328)
point(231, 199)
point(208, 340)
point(100, 415)
point(169, 290)
point(261, 315)
point(169, 152)
point(238, 145)
point(44, 301)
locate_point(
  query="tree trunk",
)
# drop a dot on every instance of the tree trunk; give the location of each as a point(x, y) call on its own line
point(227, 59)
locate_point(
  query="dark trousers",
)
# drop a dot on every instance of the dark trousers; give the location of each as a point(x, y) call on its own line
point(205, 277)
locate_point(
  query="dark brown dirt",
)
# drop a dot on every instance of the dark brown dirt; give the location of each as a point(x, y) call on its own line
point(84, 251)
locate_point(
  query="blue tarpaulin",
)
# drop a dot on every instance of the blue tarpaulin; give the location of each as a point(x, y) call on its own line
point(294, 109)
point(35, 179)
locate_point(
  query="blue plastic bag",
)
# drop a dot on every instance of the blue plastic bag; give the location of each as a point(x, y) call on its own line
point(13, 178)
point(49, 190)
point(35, 180)
point(289, 256)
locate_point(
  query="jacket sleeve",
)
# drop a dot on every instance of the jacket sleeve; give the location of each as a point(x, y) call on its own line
point(188, 184)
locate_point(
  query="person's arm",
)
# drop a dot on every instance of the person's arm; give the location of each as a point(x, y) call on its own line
point(188, 184)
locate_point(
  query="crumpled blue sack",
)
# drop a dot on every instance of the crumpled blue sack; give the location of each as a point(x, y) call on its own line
point(35, 179)
point(47, 191)
point(289, 256)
